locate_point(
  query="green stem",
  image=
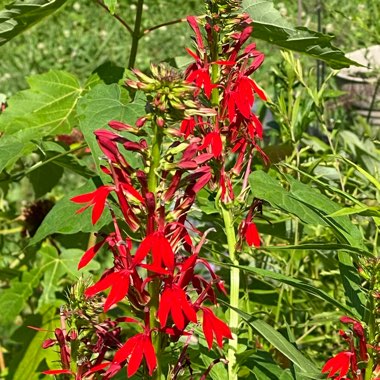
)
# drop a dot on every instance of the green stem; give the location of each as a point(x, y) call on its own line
point(154, 286)
point(234, 291)
point(136, 35)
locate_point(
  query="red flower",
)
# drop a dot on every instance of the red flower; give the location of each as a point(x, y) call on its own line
point(96, 198)
point(174, 301)
point(214, 327)
point(58, 372)
point(252, 235)
point(119, 283)
point(135, 349)
point(214, 140)
point(338, 365)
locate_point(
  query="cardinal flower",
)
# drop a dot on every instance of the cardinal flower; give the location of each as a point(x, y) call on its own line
point(135, 349)
point(214, 327)
point(338, 365)
point(96, 198)
point(174, 301)
point(119, 283)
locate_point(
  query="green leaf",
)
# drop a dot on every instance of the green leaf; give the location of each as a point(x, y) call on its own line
point(43, 183)
point(13, 299)
point(47, 108)
point(307, 203)
point(25, 364)
point(102, 104)
point(270, 26)
point(355, 251)
point(294, 282)
point(111, 5)
point(59, 266)
point(63, 219)
point(21, 15)
point(308, 369)
point(352, 284)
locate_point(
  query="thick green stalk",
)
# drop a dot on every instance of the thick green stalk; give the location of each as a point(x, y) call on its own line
point(136, 35)
point(154, 286)
point(234, 291)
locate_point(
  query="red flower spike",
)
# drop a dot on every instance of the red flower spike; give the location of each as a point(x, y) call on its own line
point(174, 301)
point(214, 327)
point(338, 365)
point(119, 283)
point(96, 198)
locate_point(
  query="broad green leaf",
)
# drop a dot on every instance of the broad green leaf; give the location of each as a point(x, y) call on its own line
point(101, 105)
point(352, 284)
point(20, 15)
point(270, 26)
point(59, 266)
point(63, 219)
point(307, 368)
point(26, 364)
point(111, 4)
point(294, 282)
point(218, 371)
point(47, 108)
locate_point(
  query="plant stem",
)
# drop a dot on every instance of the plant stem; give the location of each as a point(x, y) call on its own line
point(117, 17)
point(234, 290)
point(155, 285)
point(369, 319)
point(136, 35)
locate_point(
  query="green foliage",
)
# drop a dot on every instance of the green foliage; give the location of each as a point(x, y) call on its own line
point(271, 27)
point(18, 16)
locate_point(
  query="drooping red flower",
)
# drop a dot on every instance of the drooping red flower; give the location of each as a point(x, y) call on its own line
point(252, 235)
point(96, 198)
point(338, 366)
point(214, 141)
point(214, 327)
point(174, 301)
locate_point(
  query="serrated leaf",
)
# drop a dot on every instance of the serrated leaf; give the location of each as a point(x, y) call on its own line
point(19, 16)
point(56, 266)
point(45, 109)
point(63, 219)
point(101, 105)
point(270, 26)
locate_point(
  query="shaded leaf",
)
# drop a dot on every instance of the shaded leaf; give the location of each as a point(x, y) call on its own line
point(63, 219)
point(19, 16)
point(57, 266)
point(270, 26)
point(101, 105)
point(25, 364)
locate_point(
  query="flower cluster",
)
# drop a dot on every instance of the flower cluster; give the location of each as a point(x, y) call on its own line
point(198, 131)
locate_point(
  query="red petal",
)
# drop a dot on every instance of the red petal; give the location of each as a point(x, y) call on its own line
point(89, 254)
point(119, 289)
point(150, 355)
point(136, 357)
point(252, 235)
point(164, 306)
point(97, 368)
point(207, 327)
point(83, 198)
point(259, 91)
point(143, 249)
